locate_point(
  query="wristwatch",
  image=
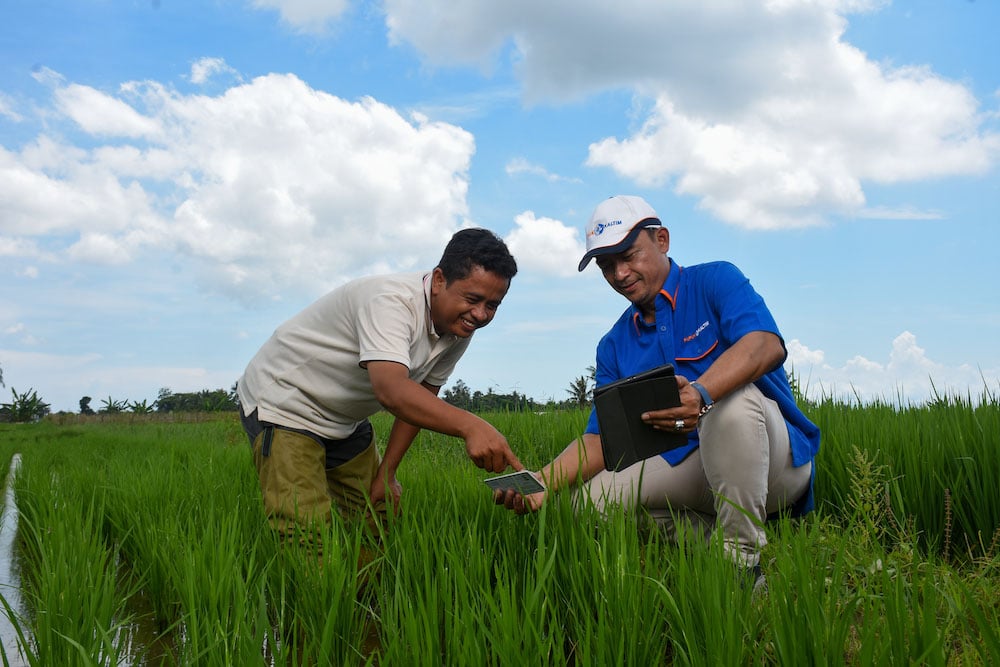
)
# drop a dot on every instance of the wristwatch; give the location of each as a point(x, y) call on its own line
point(706, 399)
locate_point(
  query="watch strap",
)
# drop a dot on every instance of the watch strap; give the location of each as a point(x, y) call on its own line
point(706, 398)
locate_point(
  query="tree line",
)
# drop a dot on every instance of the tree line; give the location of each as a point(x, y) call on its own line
point(29, 407)
point(206, 400)
point(461, 395)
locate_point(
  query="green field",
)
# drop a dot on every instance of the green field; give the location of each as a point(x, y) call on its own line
point(143, 541)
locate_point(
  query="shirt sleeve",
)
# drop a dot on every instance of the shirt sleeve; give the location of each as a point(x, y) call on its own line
point(741, 310)
point(386, 325)
point(607, 371)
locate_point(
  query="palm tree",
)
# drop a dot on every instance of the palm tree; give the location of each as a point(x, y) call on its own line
point(580, 391)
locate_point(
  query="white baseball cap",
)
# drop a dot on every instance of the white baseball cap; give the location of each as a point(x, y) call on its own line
point(615, 224)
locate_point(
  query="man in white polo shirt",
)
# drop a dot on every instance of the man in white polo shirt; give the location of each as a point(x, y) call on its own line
point(382, 342)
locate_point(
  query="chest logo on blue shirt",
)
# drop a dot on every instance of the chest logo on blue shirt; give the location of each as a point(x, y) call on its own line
point(704, 325)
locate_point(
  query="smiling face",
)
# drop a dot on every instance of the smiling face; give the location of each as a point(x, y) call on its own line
point(639, 272)
point(466, 304)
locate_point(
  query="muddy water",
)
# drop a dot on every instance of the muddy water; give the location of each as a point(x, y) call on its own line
point(141, 640)
point(10, 580)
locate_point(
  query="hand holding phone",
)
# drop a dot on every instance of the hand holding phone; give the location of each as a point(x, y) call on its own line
point(522, 481)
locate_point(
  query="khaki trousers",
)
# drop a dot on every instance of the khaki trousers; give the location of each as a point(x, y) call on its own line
point(299, 492)
point(741, 473)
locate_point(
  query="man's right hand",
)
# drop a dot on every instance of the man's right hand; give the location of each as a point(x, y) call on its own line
point(489, 450)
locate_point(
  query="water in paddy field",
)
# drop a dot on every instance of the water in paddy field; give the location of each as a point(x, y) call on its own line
point(10, 580)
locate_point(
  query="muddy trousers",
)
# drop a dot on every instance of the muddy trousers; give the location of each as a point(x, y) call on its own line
point(301, 491)
point(741, 473)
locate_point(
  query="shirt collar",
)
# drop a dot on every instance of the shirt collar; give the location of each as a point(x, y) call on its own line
point(668, 293)
point(427, 306)
point(672, 284)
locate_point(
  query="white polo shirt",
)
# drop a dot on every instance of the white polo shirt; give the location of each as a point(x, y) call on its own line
point(310, 375)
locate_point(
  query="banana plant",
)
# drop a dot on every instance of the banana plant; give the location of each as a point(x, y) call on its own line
point(141, 407)
point(26, 407)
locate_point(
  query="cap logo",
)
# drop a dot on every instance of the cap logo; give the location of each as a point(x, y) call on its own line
point(601, 226)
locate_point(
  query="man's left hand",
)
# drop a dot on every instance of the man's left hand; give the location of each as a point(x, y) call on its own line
point(520, 503)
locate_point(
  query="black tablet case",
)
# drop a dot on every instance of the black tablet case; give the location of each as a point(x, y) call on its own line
point(625, 438)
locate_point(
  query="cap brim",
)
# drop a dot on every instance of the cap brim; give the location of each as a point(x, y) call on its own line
point(622, 245)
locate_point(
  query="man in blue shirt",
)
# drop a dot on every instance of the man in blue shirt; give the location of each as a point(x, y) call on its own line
point(750, 449)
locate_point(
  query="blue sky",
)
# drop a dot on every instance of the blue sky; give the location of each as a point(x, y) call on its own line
point(177, 177)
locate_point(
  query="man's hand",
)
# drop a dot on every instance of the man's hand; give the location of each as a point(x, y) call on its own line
point(520, 503)
point(753, 355)
point(386, 488)
point(489, 450)
point(680, 419)
point(418, 405)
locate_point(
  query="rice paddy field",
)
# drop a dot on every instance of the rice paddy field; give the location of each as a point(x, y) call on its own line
point(143, 542)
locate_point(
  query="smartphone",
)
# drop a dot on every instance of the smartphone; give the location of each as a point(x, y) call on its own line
point(523, 482)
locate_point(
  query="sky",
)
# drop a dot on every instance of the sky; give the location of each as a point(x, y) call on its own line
point(178, 177)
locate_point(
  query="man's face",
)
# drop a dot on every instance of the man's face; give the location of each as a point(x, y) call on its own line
point(467, 304)
point(638, 273)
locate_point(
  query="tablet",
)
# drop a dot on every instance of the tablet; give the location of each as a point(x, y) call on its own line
point(625, 438)
point(522, 481)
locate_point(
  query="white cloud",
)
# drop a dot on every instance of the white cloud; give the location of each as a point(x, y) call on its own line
point(901, 213)
point(906, 374)
point(103, 115)
point(205, 68)
point(761, 111)
point(271, 185)
point(100, 249)
point(17, 247)
point(545, 245)
point(7, 108)
point(801, 356)
point(51, 188)
point(523, 166)
point(306, 15)
point(19, 332)
point(46, 76)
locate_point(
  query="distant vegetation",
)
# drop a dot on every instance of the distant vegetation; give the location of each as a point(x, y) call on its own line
point(23, 407)
point(29, 407)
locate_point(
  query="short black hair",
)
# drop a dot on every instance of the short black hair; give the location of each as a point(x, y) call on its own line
point(470, 248)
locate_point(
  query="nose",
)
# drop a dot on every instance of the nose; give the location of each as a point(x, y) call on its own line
point(481, 313)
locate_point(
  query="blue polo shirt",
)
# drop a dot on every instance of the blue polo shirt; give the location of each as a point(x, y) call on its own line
point(701, 311)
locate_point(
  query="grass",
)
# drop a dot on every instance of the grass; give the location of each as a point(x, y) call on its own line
point(142, 542)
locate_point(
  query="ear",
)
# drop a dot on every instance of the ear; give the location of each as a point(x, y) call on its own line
point(663, 239)
point(438, 281)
